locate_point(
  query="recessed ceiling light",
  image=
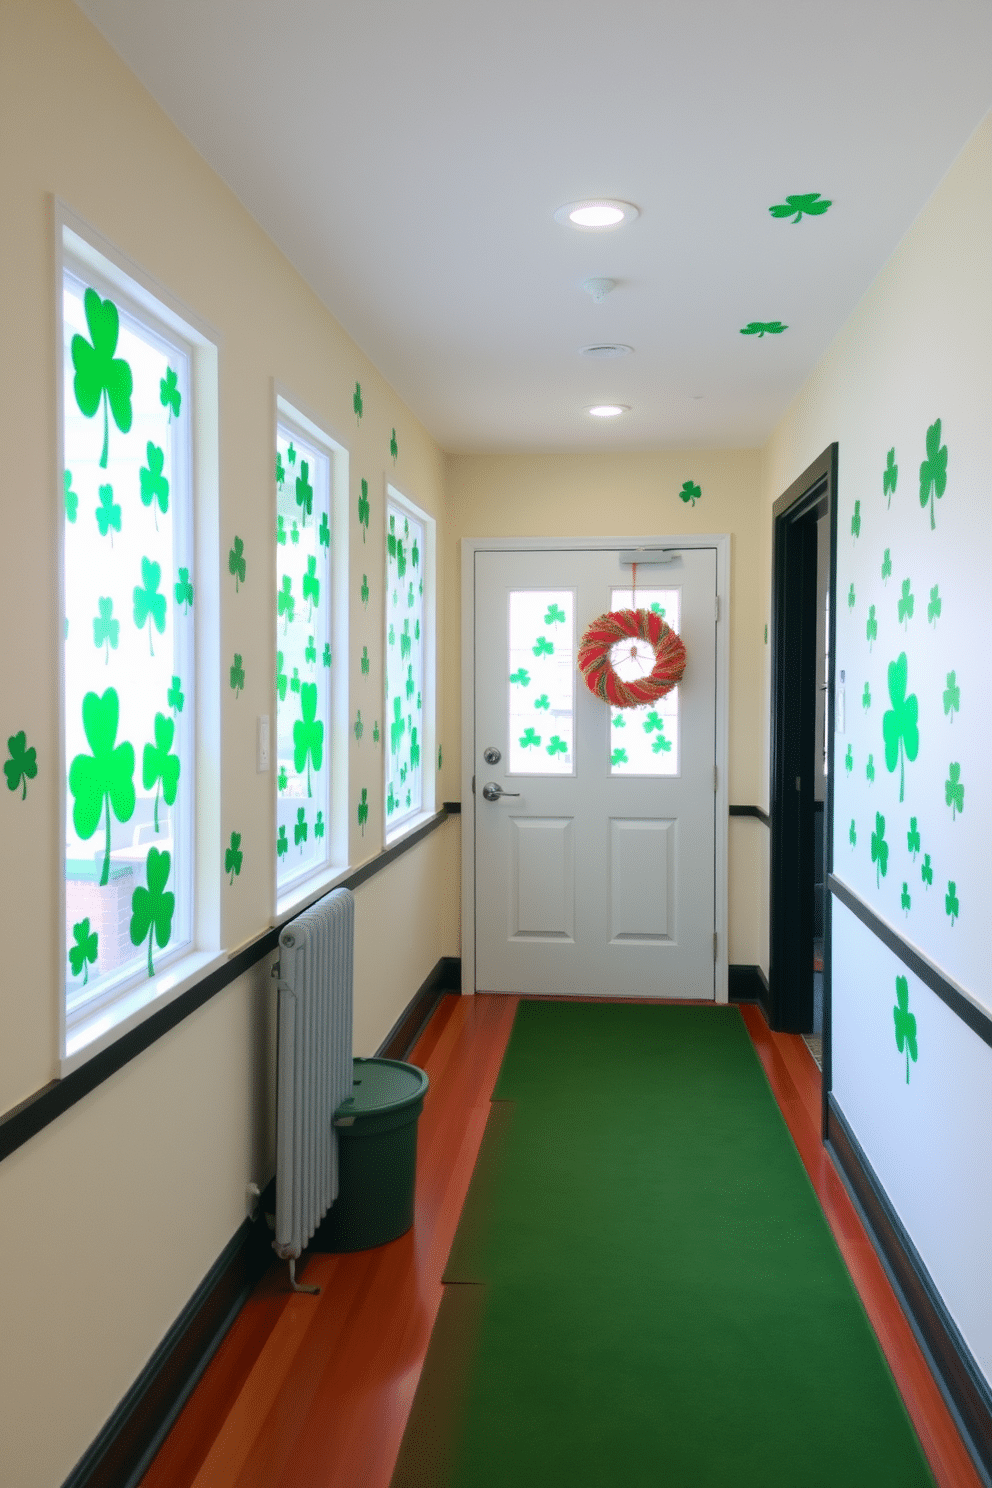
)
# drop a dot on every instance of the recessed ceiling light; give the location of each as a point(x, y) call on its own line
point(597, 212)
point(604, 349)
point(608, 410)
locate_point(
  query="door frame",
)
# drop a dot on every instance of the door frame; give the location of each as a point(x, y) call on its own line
point(472, 545)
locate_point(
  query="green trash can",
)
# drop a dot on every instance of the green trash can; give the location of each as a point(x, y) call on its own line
point(377, 1157)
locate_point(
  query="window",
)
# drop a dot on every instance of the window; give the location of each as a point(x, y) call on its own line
point(129, 586)
point(645, 740)
point(311, 665)
point(409, 663)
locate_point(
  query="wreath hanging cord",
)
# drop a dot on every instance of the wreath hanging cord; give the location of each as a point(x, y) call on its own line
point(617, 625)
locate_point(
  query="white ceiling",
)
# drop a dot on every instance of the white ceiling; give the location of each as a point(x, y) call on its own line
point(407, 156)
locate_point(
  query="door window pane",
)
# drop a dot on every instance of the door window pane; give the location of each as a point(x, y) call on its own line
point(404, 666)
point(541, 685)
point(645, 740)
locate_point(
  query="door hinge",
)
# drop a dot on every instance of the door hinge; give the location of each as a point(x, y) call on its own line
point(714, 945)
point(716, 784)
point(716, 608)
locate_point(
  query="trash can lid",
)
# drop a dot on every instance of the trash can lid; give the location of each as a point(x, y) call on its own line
point(383, 1085)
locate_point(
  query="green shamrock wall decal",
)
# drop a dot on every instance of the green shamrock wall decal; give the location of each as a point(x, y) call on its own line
point(280, 473)
point(175, 696)
point(184, 590)
point(851, 601)
point(375, 734)
point(281, 678)
point(325, 531)
point(326, 654)
point(886, 566)
point(397, 728)
point(951, 906)
point(71, 498)
point(154, 486)
point(281, 530)
point(934, 607)
point(870, 770)
point(304, 492)
point(543, 647)
point(301, 829)
point(529, 739)
point(311, 586)
point(810, 204)
point(856, 520)
point(852, 834)
point(890, 475)
point(159, 766)
point(905, 605)
point(363, 508)
point(285, 603)
point(879, 849)
point(871, 626)
point(926, 871)
point(294, 535)
point(363, 810)
point(106, 777)
point(100, 376)
point(282, 843)
point(521, 676)
point(233, 857)
point(364, 661)
point(356, 402)
point(152, 908)
point(393, 447)
point(359, 726)
point(283, 778)
point(905, 899)
point(556, 746)
point(106, 630)
point(318, 826)
point(913, 838)
point(866, 698)
point(954, 790)
point(85, 949)
point(310, 652)
point(414, 748)
point(308, 734)
point(291, 453)
point(905, 1023)
point(108, 513)
point(22, 765)
point(899, 724)
point(169, 395)
point(933, 471)
point(952, 696)
point(365, 591)
point(619, 757)
point(149, 605)
point(849, 760)
point(760, 327)
point(236, 563)
point(690, 492)
point(237, 675)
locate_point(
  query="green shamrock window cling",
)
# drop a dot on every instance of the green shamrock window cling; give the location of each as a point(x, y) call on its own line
point(169, 395)
point(154, 485)
point(311, 586)
point(184, 590)
point(282, 843)
point(294, 535)
point(809, 204)
point(281, 530)
point(85, 949)
point(543, 647)
point(905, 1023)
point(889, 477)
point(397, 728)
point(280, 477)
point(108, 513)
point(152, 908)
point(291, 454)
point(106, 630)
point(871, 627)
point(886, 566)
point(22, 765)
point(326, 654)
point(318, 826)
point(850, 597)
point(542, 702)
point(618, 757)
point(304, 492)
point(234, 857)
point(286, 604)
point(175, 696)
point(281, 677)
point(906, 605)
point(310, 652)
point(149, 605)
point(856, 521)
point(283, 777)
point(159, 766)
point(554, 615)
point(870, 770)
point(70, 496)
point(849, 759)
point(879, 849)
point(954, 790)
point(530, 739)
point(301, 829)
point(101, 378)
point(308, 734)
point(913, 838)
point(900, 723)
point(521, 677)
point(933, 471)
point(866, 698)
point(926, 870)
point(934, 607)
point(324, 533)
point(852, 834)
point(905, 898)
point(414, 749)
point(556, 745)
point(951, 906)
point(952, 696)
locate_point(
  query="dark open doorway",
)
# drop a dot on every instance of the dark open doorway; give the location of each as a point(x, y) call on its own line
point(804, 536)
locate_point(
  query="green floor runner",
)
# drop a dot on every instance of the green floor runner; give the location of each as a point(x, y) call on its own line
point(658, 1297)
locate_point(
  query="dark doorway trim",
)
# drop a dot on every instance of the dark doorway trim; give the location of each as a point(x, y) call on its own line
point(793, 744)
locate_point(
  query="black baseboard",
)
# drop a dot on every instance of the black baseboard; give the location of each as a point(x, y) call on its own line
point(446, 977)
point(748, 984)
point(122, 1453)
point(964, 1386)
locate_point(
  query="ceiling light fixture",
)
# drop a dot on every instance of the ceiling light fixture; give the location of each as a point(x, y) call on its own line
point(598, 212)
point(604, 349)
point(608, 410)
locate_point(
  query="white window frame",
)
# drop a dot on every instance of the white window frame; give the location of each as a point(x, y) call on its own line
point(428, 639)
point(100, 1023)
point(288, 411)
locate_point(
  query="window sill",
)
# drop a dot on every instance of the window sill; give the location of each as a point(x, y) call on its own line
point(87, 1033)
point(410, 825)
point(302, 895)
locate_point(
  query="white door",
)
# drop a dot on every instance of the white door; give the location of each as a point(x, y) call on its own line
point(594, 869)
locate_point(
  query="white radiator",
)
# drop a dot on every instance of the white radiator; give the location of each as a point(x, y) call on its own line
point(313, 1064)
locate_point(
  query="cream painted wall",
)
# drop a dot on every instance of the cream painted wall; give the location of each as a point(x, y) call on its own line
point(113, 1214)
point(637, 494)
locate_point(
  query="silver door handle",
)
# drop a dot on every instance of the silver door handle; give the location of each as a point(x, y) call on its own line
point(492, 791)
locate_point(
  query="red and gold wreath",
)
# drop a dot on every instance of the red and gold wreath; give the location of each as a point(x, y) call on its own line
point(635, 625)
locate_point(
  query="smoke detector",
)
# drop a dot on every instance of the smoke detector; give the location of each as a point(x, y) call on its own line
point(598, 289)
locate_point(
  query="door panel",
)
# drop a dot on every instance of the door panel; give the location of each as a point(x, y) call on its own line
point(595, 869)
